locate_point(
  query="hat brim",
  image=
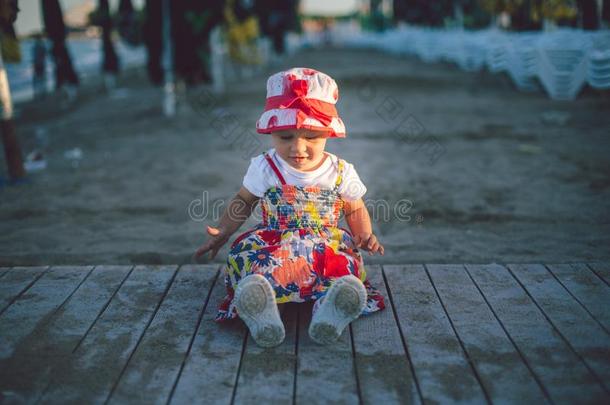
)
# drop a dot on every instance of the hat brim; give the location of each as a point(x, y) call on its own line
point(286, 118)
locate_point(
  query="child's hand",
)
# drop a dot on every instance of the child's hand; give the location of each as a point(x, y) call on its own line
point(368, 241)
point(218, 238)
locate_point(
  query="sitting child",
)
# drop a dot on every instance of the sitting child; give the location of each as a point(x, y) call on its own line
point(298, 253)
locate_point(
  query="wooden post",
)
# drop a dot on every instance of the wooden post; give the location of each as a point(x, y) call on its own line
point(217, 51)
point(14, 160)
point(169, 100)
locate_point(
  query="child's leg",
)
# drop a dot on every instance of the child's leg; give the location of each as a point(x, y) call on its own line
point(256, 306)
point(343, 303)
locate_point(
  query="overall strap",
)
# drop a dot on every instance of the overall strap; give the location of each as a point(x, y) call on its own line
point(274, 167)
point(340, 165)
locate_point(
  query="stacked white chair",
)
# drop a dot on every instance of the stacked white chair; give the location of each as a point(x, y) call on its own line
point(598, 69)
point(563, 61)
point(496, 51)
point(395, 41)
point(472, 51)
point(451, 49)
point(598, 72)
point(522, 62)
point(427, 45)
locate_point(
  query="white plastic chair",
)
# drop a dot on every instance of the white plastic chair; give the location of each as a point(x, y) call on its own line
point(598, 69)
point(562, 63)
point(522, 61)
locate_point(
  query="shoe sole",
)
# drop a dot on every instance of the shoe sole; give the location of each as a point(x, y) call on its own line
point(256, 306)
point(343, 303)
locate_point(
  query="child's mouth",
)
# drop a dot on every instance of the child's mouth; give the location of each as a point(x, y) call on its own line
point(298, 159)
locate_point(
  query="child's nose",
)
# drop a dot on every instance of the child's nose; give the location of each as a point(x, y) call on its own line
point(299, 145)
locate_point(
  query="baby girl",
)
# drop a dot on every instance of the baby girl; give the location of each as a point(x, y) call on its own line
point(298, 253)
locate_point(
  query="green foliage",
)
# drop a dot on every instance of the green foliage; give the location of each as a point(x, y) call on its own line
point(554, 10)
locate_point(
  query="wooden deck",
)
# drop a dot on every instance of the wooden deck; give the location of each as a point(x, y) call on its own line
point(450, 333)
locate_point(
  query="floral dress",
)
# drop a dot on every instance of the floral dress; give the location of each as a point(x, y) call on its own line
point(298, 247)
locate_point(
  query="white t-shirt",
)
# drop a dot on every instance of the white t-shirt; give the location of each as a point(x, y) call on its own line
point(260, 176)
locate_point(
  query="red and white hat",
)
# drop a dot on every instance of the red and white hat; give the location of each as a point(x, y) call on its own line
point(301, 98)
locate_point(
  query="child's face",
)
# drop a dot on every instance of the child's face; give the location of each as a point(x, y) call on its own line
point(301, 148)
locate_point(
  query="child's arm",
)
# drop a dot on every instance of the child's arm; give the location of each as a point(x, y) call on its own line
point(359, 221)
point(237, 212)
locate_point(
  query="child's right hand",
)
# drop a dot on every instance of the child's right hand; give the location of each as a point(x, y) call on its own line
point(218, 237)
point(369, 242)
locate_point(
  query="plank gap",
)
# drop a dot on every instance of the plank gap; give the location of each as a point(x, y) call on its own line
point(402, 337)
point(167, 288)
point(296, 358)
point(470, 361)
point(241, 358)
point(30, 284)
point(563, 337)
point(355, 361)
point(102, 310)
point(510, 338)
point(4, 270)
point(190, 345)
point(597, 274)
point(582, 305)
point(65, 301)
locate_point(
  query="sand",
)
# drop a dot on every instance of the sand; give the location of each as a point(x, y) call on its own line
point(472, 170)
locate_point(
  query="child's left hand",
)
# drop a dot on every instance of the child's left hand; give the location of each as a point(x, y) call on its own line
point(369, 242)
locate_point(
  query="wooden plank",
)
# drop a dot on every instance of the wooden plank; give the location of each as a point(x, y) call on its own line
point(36, 305)
point(274, 366)
point(501, 368)
point(89, 374)
point(563, 374)
point(15, 282)
point(325, 373)
point(441, 367)
point(602, 270)
point(384, 369)
point(587, 289)
point(584, 335)
point(151, 372)
point(26, 373)
point(211, 368)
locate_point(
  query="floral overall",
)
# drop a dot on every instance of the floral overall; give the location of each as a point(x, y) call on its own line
point(298, 247)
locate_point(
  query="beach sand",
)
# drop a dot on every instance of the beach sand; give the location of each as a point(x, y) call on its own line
point(460, 167)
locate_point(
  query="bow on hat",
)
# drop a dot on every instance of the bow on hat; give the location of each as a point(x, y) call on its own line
point(320, 110)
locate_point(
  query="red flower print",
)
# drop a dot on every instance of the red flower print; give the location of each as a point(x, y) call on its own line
point(330, 264)
point(335, 265)
point(271, 237)
point(318, 262)
point(305, 291)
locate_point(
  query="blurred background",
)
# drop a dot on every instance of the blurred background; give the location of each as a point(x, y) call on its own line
point(480, 127)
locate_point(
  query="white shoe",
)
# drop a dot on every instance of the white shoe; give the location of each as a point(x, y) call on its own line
point(342, 304)
point(256, 306)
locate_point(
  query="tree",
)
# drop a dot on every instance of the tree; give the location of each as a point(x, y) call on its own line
point(56, 31)
point(529, 14)
point(12, 151)
point(111, 60)
point(588, 14)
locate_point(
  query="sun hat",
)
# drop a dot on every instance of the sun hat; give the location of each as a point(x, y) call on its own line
point(301, 98)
